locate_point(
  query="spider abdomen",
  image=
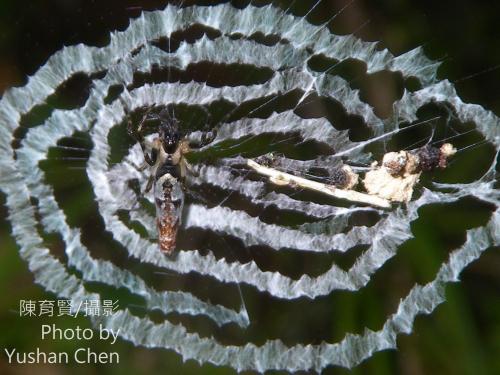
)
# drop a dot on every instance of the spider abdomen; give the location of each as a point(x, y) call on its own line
point(169, 201)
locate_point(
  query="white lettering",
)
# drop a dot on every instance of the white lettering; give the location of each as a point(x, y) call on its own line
point(55, 333)
point(37, 356)
point(10, 354)
point(85, 355)
point(77, 360)
point(105, 334)
point(45, 330)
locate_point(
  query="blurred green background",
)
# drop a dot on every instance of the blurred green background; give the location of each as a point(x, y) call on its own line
point(461, 337)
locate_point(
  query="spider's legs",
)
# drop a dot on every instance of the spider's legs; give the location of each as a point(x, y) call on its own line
point(147, 115)
point(208, 137)
point(186, 167)
point(143, 167)
point(137, 134)
point(204, 139)
point(149, 185)
point(150, 159)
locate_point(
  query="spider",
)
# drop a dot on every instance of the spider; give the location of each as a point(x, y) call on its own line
point(169, 169)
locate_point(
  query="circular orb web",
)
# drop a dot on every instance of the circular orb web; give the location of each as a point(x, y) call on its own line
point(257, 106)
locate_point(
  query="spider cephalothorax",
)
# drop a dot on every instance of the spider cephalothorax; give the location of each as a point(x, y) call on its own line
point(169, 169)
point(169, 135)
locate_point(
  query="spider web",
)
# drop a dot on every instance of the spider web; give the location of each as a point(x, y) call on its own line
point(262, 103)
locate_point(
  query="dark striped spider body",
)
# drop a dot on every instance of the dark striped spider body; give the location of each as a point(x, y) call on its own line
point(169, 169)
